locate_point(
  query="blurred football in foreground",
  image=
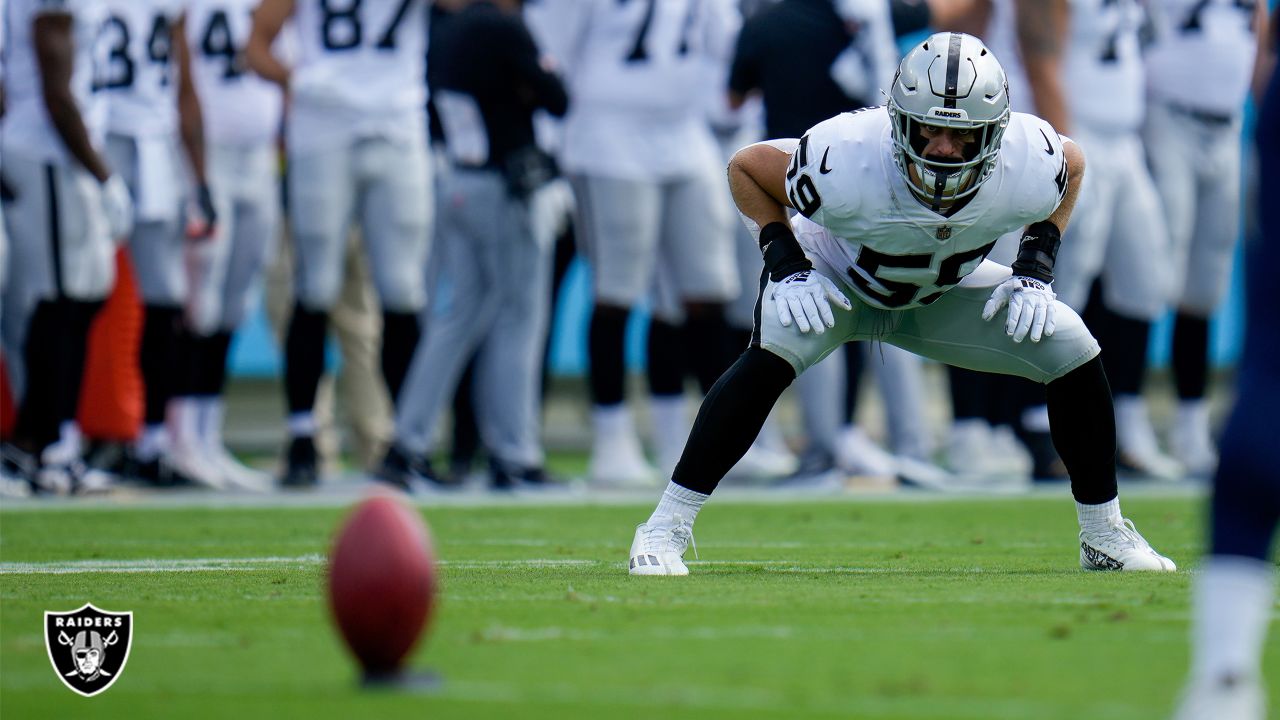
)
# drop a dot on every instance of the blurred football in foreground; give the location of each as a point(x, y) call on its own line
point(382, 582)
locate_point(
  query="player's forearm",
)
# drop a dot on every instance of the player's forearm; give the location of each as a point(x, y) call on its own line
point(1075, 177)
point(190, 116)
point(65, 115)
point(191, 125)
point(268, 20)
point(1042, 28)
point(257, 53)
point(1264, 62)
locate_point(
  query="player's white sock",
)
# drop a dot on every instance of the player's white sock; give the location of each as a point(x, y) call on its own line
point(1232, 608)
point(677, 500)
point(302, 424)
point(1097, 516)
point(210, 410)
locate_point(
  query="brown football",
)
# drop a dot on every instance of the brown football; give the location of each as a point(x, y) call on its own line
point(382, 583)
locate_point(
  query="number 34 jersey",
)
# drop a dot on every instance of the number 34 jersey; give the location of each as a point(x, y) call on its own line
point(139, 73)
point(858, 214)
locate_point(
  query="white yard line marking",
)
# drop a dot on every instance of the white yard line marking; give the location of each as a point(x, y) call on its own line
point(180, 565)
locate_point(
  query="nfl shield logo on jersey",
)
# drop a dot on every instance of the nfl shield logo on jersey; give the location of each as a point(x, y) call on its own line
point(943, 233)
point(88, 647)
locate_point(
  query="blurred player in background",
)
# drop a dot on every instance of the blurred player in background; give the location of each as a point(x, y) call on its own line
point(152, 110)
point(1084, 68)
point(63, 207)
point(494, 269)
point(242, 114)
point(647, 181)
point(1234, 595)
point(901, 207)
point(356, 143)
point(1198, 73)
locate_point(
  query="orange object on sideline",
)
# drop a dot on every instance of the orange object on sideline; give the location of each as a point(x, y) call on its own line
point(112, 397)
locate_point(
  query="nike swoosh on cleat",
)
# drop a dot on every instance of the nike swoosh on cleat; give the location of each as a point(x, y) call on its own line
point(1048, 146)
point(822, 167)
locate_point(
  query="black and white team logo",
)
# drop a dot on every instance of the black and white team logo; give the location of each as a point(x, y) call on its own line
point(88, 647)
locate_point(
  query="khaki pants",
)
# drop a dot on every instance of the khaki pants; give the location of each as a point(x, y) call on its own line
point(356, 319)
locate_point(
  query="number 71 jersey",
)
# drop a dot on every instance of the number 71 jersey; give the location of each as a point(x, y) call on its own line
point(859, 215)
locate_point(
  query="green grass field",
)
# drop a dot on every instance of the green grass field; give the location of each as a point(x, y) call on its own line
point(854, 608)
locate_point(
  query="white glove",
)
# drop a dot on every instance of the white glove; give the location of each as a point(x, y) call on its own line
point(1031, 307)
point(117, 206)
point(803, 296)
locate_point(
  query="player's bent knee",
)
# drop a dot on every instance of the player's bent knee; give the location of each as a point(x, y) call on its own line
point(1070, 346)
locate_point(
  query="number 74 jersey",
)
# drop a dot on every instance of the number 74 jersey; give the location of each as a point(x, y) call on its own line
point(858, 214)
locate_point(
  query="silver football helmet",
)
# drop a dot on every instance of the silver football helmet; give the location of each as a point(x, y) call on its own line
point(949, 80)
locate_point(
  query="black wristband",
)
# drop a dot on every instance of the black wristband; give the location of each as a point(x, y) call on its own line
point(783, 255)
point(1038, 251)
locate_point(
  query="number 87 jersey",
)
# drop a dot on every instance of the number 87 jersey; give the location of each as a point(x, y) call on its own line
point(367, 56)
point(894, 252)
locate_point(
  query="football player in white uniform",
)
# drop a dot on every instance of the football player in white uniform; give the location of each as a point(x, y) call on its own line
point(242, 114)
point(65, 207)
point(152, 110)
point(357, 149)
point(898, 210)
point(1198, 72)
point(643, 163)
point(1120, 235)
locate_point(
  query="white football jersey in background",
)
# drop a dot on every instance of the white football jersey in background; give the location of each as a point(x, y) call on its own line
point(360, 71)
point(1203, 53)
point(239, 108)
point(1001, 38)
point(139, 73)
point(1102, 74)
point(637, 74)
point(26, 129)
point(897, 253)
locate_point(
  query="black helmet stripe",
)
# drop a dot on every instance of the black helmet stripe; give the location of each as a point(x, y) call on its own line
point(953, 71)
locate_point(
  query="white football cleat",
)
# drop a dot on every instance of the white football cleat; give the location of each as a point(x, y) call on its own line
point(1224, 699)
point(236, 474)
point(190, 460)
point(1120, 547)
point(617, 460)
point(659, 549)
point(857, 454)
point(762, 462)
point(1138, 451)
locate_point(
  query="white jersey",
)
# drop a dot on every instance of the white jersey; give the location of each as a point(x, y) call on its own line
point(26, 129)
point(360, 71)
point(239, 108)
point(1103, 70)
point(139, 75)
point(1001, 39)
point(1203, 53)
point(637, 73)
point(897, 252)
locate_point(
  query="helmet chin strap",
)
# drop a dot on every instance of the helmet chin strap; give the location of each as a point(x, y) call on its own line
point(939, 185)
